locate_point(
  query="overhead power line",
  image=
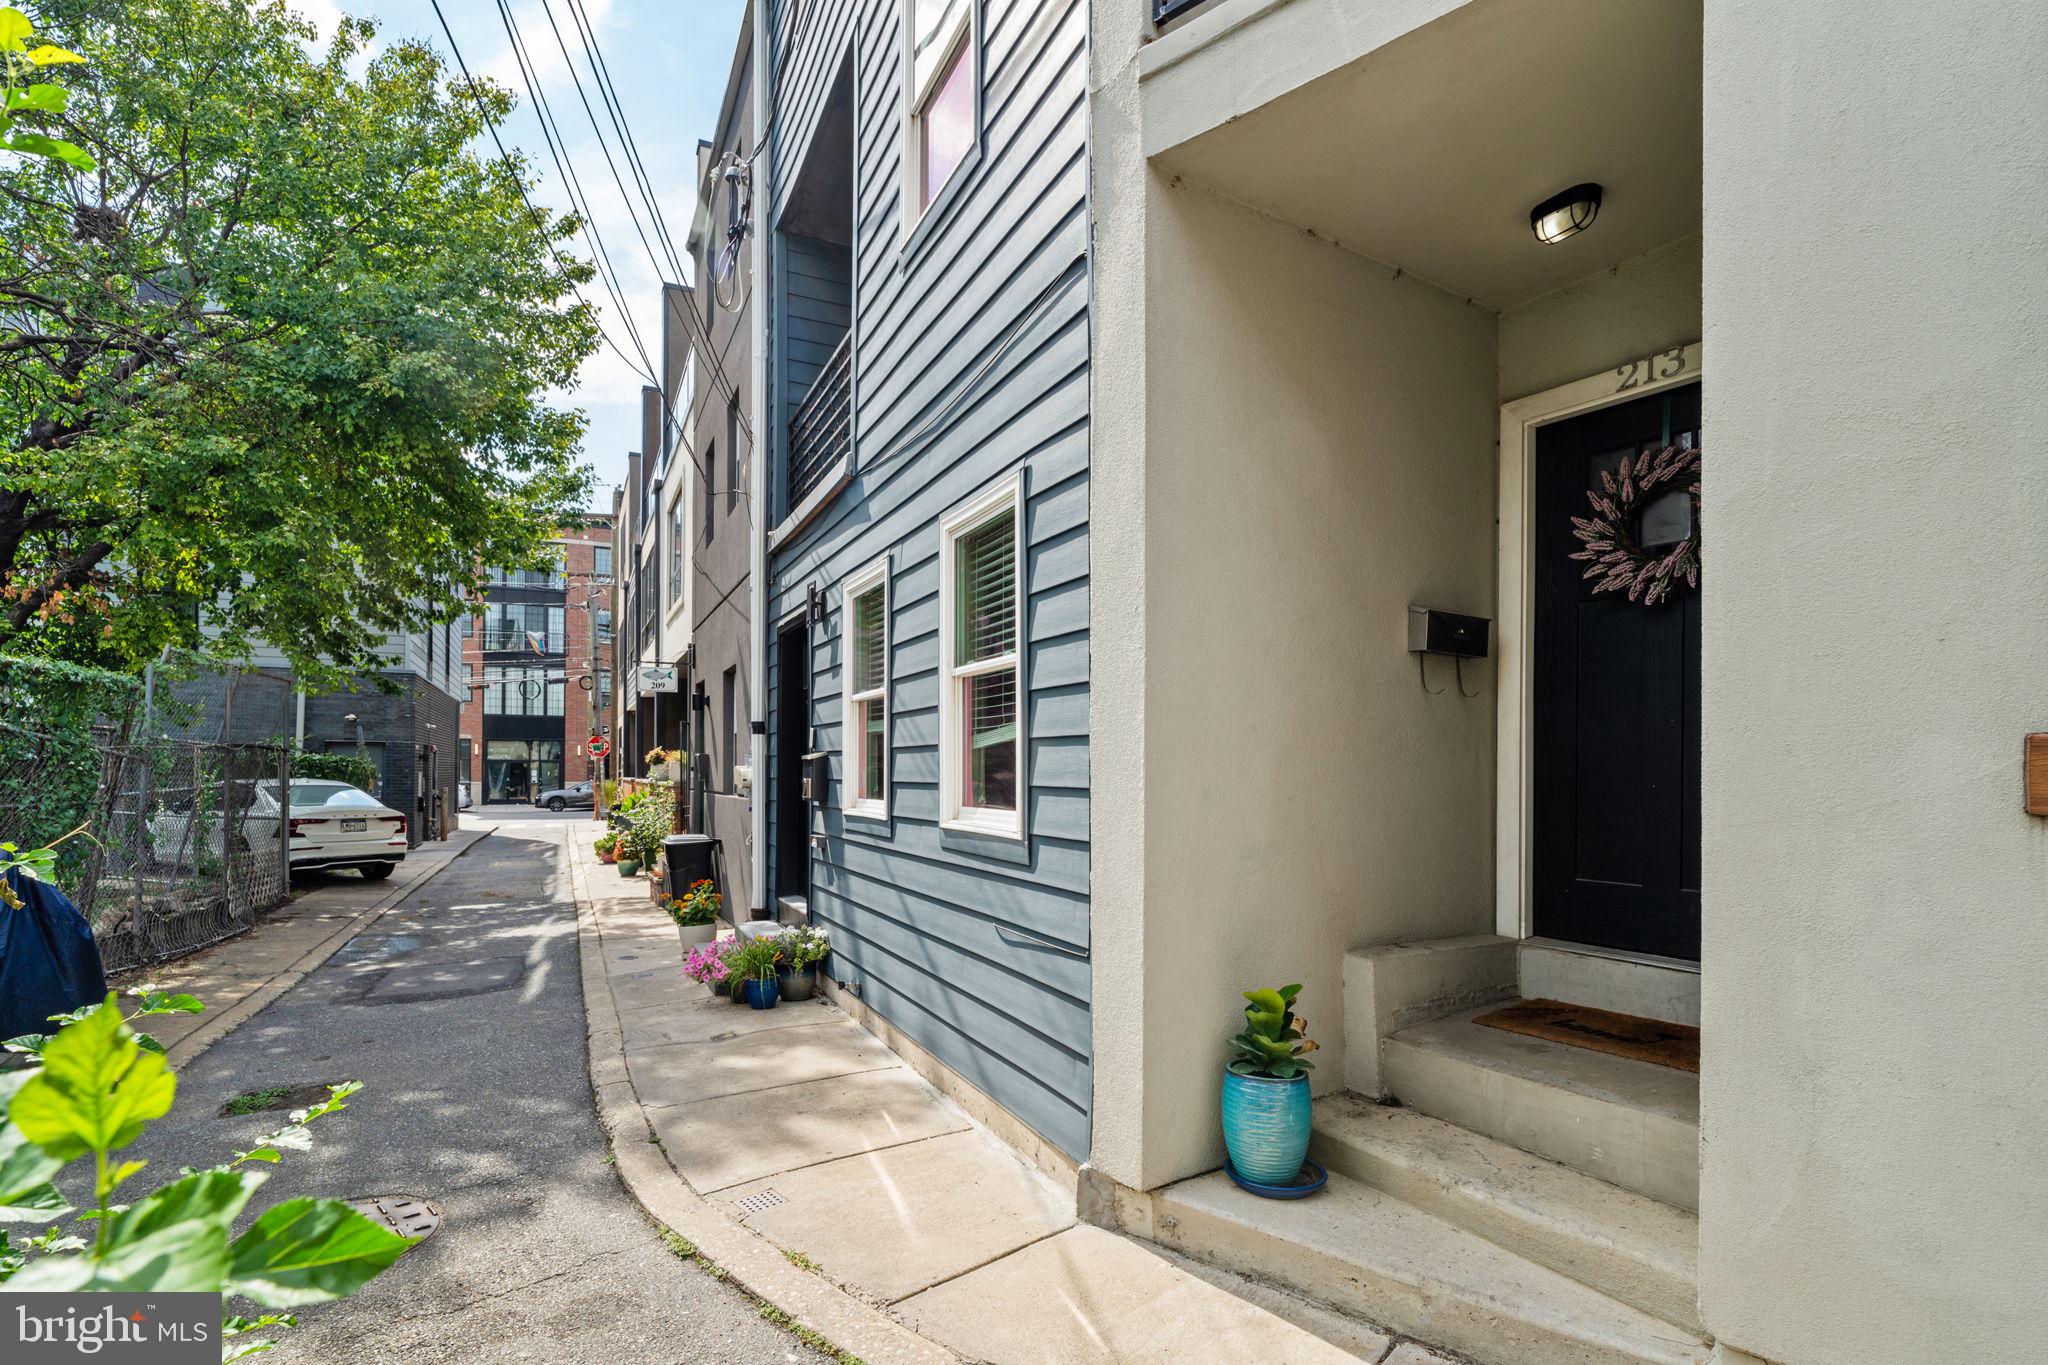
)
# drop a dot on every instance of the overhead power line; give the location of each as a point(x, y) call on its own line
point(550, 128)
point(470, 84)
point(628, 151)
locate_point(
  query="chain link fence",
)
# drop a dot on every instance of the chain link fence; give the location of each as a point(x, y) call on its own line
point(187, 840)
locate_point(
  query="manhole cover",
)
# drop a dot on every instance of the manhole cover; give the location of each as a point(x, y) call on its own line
point(759, 1203)
point(402, 1213)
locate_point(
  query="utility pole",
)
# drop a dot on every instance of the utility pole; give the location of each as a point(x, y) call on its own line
point(596, 717)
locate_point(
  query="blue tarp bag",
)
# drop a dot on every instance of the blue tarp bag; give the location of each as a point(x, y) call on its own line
point(48, 961)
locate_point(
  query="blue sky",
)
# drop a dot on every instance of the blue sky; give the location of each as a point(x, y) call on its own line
point(669, 60)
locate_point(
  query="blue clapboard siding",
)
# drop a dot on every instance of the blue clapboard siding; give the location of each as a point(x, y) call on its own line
point(815, 307)
point(970, 362)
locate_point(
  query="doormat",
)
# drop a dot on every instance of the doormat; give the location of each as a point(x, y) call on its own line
point(1620, 1035)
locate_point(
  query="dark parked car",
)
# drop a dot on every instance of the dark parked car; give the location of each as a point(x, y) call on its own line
point(576, 794)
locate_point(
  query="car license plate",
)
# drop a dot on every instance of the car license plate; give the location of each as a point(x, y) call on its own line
point(354, 826)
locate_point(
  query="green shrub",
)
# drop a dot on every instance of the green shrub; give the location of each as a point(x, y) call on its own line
point(50, 757)
point(652, 819)
point(336, 765)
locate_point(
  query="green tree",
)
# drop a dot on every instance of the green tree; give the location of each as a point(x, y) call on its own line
point(285, 352)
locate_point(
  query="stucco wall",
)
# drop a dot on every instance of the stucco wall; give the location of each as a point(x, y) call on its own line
point(1642, 306)
point(1876, 644)
point(1319, 456)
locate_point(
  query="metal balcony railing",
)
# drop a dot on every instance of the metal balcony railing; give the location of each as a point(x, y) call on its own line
point(496, 641)
point(821, 429)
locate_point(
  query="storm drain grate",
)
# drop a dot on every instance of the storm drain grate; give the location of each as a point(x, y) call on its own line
point(759, 1203)
point(402, 1213)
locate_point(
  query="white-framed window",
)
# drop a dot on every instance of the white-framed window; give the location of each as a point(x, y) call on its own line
point(982, 746)
point(678, 542)
point(864, 665)
point(942, 102)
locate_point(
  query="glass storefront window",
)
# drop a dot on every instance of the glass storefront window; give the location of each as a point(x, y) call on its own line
point(519, 769)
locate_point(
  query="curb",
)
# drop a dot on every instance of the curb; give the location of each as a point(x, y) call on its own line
point(234, 1016)
point(750, 1260)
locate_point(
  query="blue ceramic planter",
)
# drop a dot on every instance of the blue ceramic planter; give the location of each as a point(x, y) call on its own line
point(1265, 1126)
point(762, 995)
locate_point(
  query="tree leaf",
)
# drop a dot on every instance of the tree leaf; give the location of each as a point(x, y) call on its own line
point(96, 1090)
point(14, 30)
point(188, 1256)
point(211, 1196)
point(171, 1004)
point(35, 144)
point(46, 99)
point(37, 1204)
point(309, 1251)
point(47, 55)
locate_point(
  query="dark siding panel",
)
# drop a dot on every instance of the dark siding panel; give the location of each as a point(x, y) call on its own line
point(971, 362)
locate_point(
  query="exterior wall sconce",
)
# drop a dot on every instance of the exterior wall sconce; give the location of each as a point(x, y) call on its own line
point(1565, 214)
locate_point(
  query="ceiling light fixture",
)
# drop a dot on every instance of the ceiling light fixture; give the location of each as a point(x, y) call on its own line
point(1566, 213)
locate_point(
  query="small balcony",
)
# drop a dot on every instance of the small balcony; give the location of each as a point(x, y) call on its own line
point(520, 642)
point(821, 429)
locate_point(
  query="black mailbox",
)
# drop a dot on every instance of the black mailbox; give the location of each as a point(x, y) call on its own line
point(817, 775)
point(1445, 632)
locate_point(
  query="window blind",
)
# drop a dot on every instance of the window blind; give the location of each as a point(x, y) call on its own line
point(987, 590)
point(867, 641)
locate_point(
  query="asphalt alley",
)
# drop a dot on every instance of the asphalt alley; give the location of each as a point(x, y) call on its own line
point(461, 1012)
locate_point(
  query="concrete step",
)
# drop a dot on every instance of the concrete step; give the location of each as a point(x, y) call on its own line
point(1634, 1249)
point(1629, 1123)
point(1366, 1252)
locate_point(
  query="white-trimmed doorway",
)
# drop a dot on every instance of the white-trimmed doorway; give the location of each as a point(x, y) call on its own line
point(1520, 421)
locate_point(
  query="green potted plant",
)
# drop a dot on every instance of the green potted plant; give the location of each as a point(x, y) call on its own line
point(651, 819)
point(1266, 1111)
point(696, 913)
point(607, 846)
point(753, 966)
point(799, 950)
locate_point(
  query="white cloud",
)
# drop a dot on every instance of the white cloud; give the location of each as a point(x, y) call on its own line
point(325, 14)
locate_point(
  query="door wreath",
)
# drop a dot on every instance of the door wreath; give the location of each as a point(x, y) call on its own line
point(1613, 554)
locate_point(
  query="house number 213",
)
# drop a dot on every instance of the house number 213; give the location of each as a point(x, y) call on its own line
point(1663, 365)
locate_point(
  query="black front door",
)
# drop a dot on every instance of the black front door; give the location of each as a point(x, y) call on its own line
point(792, 740)
point(1616, 721)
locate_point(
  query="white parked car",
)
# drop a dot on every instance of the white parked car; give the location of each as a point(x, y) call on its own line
point(462, 801)
point(175, 844)
point(336, 825)
point(333, 825)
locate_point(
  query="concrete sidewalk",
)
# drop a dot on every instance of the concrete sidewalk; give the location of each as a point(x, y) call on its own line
point(239, 976)
point(797, 1151)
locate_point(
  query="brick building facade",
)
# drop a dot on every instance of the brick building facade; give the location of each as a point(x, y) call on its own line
point(539, 663)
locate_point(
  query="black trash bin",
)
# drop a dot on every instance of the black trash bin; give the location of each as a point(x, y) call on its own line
point(688, 859)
